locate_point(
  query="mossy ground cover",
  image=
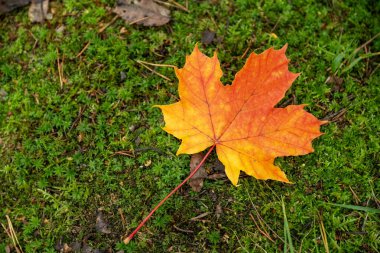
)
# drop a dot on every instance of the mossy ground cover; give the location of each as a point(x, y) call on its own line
point(60, 139)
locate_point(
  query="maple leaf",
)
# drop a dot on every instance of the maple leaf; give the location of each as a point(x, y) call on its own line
point(240, 119)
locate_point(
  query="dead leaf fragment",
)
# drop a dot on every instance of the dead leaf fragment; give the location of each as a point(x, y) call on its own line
point(38, 11)
point(217, 171)
point(67, 248)
point(8, 249)
point(75, 246)
point(197, 218)
point(218, 211)
point(148, 163)
point(145, 12)
point(208, 37)
point(9, 5)
point(196, 182)
point(101, 224)
point(87, 248)
point(3, 95)
point(336, 83)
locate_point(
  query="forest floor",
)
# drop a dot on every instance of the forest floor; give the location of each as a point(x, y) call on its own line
point(84, 157)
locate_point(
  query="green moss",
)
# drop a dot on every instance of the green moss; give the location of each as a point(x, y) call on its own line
point(58, 145)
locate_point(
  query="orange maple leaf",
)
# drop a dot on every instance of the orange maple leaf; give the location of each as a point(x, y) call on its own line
point(240, 119)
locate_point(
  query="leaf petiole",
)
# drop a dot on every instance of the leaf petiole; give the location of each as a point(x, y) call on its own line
point(129, 238)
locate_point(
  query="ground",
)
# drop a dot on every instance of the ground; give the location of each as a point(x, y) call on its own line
point(80, 138)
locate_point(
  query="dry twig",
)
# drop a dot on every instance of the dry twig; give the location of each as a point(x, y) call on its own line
point(62, 79)
point(183, 230)
point(152, 70)
point(12, 235)
point(173, 3)
point(323, 233)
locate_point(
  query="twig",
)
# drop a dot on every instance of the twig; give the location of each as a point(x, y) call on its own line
point(261, 231)
point(183, 230)
point(35, 39)
point(354, 53)
point(366, 43)
point(365, 218)
point(374, 196)
point(108, 24)
point(173, 4)
point(80, 113)
point(265, 233)
point(240, 242)
point(374, 70)
point(83, 49)
point(156, 64)
point(155, 72)
point(323, 233)
point(261, 220)
point(336, 115)
point(60, 70)
point(200, 216)
point(126, 153)
point(122, 217)
point(300, 249)
point(250, 43)
point(180, 6)
point(275, 26)
point(102, 29)
point(12, 234)
point(129, 238)
point(246, 50)
point(356, 198)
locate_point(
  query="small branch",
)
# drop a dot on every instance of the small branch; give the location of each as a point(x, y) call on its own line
point(173, 4)
point(126, 153)
point(100, 30)
point(108, 24)
point(122, 217)
point(60, 70)
point(12, 235)
point(83, 49)
point(366, 43)
point(129, 238)
point(197, 218)
point(155, 64)
point(183, 230)
point(263, 232)
point(155, 72)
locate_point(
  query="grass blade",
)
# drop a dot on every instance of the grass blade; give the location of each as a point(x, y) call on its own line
point(357, 208)
point(287, 235)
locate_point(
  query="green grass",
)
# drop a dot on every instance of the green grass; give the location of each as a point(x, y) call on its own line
point(58, 166)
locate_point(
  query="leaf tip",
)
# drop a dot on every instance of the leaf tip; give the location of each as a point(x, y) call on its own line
point(232, 175)
point(234, 183)
point(196, 48)
point(284, 47)
point(215, 56)
point(283, 178)
point(180, 151)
